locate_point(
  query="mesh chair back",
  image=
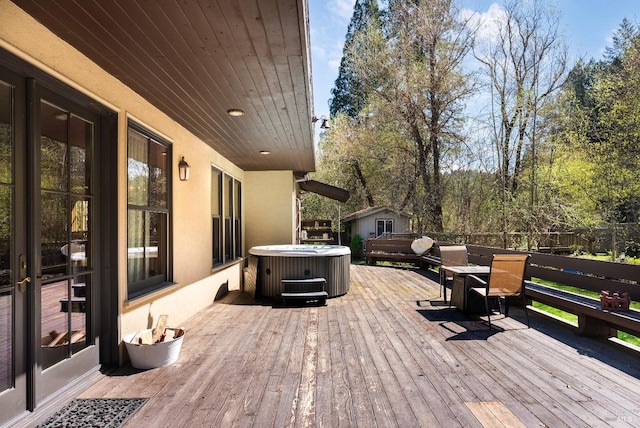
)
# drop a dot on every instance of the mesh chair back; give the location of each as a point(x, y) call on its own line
point(454, 255)
point(507, 274)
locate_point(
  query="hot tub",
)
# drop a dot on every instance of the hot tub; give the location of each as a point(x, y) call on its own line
point(278, 262)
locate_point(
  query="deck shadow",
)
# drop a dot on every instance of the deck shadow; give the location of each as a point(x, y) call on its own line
point(455, 322)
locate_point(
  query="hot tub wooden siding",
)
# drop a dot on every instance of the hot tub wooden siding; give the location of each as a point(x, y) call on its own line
point(271, 270)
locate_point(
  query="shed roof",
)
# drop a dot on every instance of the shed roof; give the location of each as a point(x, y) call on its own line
point(369, 211)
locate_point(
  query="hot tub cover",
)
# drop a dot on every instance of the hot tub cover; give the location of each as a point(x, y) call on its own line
point(324, 189)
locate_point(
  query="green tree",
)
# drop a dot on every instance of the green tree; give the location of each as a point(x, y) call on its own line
point(602, 106)
point(412, 72)
point(348, 95)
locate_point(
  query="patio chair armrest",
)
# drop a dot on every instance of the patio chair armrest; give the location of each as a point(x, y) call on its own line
point(478, 280)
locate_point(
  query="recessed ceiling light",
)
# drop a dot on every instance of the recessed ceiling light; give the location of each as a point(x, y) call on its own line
point(265, 152)
point(235, 112)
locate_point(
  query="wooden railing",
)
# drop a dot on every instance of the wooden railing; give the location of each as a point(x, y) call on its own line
point(549, 242)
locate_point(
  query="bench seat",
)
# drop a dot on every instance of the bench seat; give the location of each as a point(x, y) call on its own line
point(391, 250)
point(393, 257)
point(592, 319)
point(433, 261)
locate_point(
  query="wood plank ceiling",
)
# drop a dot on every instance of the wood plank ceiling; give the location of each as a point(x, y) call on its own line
point(194, 60)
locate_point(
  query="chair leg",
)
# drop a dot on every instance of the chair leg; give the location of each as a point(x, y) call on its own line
point(486, 305)
point(443, 286)
point(451, 295)
point(526, 312)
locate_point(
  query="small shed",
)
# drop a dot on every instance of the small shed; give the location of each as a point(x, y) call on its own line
point(373, 222)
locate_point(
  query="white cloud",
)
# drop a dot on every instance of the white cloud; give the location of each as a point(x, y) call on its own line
point(334, 64)
point(487, 23)
point(335, 55)
point(342, 8)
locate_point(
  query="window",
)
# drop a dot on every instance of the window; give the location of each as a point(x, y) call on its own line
point(216, 214)
point(226, 199)
point(384, 226)
point(148, 211)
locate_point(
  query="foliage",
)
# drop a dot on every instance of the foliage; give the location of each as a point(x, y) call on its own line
point(348, 94)
point(632, 249)
point(541, 146)
point(389, 149)
point(356, 247)
point(602, 105)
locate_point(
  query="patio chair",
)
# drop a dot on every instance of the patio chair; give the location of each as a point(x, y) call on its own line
point(506, 279)
point(451, 255)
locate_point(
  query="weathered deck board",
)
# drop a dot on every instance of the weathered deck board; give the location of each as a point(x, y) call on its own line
point(375, 357)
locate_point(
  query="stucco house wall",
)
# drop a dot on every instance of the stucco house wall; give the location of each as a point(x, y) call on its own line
point(268, 198)
point(270, 208)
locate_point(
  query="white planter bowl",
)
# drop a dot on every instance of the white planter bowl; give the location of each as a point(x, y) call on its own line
point(150, 356)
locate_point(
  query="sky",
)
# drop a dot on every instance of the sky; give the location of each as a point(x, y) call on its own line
point(587, 24)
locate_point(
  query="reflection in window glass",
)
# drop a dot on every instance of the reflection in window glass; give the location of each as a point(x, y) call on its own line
point(6, 133)
point(6, 181)
point(148, 214)
point(225, 212)
point(54, 235)
point(81, 133)
point(228, 207)
point(384, 226)
point(237, 195)
point(6, 340)
point(66, 145)
point(55, 322)
point(6, 221)
point(157, 176)
point(54, 173)
point(137, 168)
point(6, 226)
point(216, 213)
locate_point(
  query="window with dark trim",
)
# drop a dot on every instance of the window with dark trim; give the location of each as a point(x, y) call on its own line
point(226, 199)
point(148, 211)
point(384, 226)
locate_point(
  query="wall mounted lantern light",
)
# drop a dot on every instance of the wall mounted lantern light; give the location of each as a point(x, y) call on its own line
point(183, 169)
point(324, 122)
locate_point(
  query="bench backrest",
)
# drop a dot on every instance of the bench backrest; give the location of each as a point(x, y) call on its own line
point(389, 245)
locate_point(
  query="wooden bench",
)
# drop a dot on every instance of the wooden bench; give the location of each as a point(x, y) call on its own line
point(391, 250)
point(308, 290)
point(592, 319)
point(431, 261)
point(592, 275)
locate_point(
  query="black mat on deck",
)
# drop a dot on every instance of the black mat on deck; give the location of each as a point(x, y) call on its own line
point(95, 412)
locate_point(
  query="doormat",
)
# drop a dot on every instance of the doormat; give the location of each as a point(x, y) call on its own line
point(95, 412)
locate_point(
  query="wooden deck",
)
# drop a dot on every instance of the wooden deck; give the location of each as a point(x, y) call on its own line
point(374, 357)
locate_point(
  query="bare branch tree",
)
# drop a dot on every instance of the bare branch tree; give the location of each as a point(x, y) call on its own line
point(525, 62)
